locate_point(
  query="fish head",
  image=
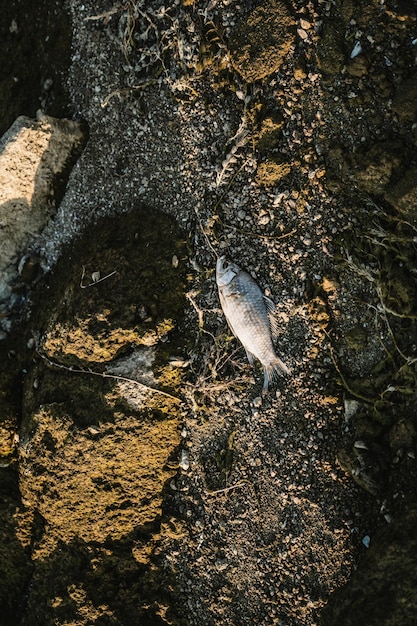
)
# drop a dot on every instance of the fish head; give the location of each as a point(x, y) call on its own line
point(225, 271)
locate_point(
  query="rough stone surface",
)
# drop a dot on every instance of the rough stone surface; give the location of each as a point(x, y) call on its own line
point(215, 504)
point(261, 41)
point(34, 159)
point(374, 169)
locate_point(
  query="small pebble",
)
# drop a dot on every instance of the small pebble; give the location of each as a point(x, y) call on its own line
point(351, 407)
point(302, 33)
point(184, 460)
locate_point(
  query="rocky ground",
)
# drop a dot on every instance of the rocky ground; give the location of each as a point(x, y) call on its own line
point(144, 478)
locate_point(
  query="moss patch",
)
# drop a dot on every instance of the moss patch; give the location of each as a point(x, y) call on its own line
point(88, 536)
point(122, 467)
point(269, 173)
point(140, 301)
point(261, 41)
point(270, 134)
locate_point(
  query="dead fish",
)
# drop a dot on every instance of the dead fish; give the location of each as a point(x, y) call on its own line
point(251, 317)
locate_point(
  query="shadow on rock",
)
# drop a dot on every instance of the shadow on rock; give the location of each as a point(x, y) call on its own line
point(100, 429)
point(15, 564)
point(117, 582)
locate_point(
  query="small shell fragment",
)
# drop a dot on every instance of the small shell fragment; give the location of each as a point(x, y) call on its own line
point(257, 402)
point(184, 460)
point(178, 362)
point(175, 261)
point(357, 49)
point(94, 430)
point(351, 407)
point(360, 445)
point(95, 277)
point(31, 343)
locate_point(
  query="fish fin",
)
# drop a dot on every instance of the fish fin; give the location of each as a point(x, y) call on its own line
point(270, 306)
point(271, 310)
point(280, 368)
point(276, 368)
point(250, 356)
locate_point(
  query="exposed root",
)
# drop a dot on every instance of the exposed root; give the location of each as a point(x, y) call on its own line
point(78, 370)
point(95, 278)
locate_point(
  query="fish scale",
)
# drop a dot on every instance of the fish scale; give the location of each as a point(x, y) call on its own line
point(250, 316)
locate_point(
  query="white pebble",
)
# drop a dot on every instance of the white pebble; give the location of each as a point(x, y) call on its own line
point(184, 460)
point(357, 49)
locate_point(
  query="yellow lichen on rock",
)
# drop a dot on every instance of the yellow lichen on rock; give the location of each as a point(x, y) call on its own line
point(122, 467)
point(261, 41)
point(269, 173)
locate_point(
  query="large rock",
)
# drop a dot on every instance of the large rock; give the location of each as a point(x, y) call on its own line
point(35, 55)
point(35, 159)
point(122, 467)
point(261, 41)
point(97, 445)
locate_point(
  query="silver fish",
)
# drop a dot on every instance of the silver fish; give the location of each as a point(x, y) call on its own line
point(250, 316)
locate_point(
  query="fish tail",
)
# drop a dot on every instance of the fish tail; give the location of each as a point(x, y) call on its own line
point(274, 369)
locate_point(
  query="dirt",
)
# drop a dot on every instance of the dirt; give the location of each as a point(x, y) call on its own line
point(36, 52)
point(145, 479)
